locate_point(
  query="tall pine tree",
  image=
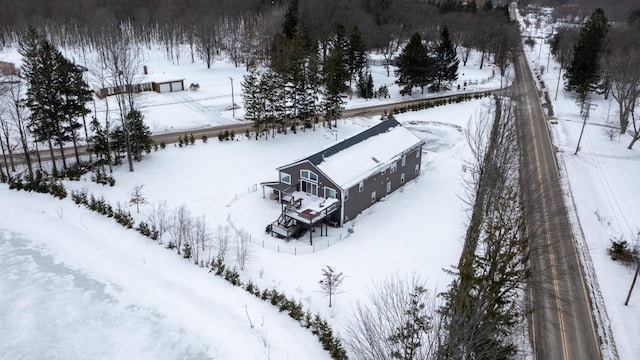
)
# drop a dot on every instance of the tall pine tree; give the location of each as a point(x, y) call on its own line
point(583, 73)
point(415, 66)
point(356, 56)
point(446, 61)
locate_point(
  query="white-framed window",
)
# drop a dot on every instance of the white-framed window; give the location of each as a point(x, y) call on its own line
point(417, 168)
point(373, 197)
point(285, 178)
point(345, 194)
point(389, 187)
point(330, 193)
point(402, 178)
point(361, 186)
point(404, 160)
point(394, 167)
point(418, 153)
point(309, 175)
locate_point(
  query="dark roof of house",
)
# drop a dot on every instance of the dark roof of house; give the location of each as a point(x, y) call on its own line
point(381, 128)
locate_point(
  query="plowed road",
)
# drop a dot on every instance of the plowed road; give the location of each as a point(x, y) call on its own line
point(561, 322)
point(241, 127)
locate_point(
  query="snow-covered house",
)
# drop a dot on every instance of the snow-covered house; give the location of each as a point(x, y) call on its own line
point(336, 184)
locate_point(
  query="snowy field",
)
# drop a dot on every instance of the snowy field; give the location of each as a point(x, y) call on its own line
point(77, 278)
point(101, 281)
point(602, 193)
point(95, 264)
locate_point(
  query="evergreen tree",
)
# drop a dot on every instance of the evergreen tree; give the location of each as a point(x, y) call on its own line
point(54, 95)
point(313, 82)
point(335, 76)
point(407, 339)
point(336, 73)
point(251, 96)
point(290, 20)
point(100, 142)
point(446, 61)
point(273, 95)
point(75, 96)
point(415, 66)
point(365, 85)
point(295, 78)
point(139, 134)
point(583, 73)
point(36, 68)
point(356, 53)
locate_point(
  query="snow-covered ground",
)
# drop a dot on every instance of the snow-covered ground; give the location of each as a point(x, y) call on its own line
point(96, 281)
point(71, 277)
point(210, 105)
point(602, 192)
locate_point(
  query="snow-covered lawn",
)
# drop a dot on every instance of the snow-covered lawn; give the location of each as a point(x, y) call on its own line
point(69, 276)
point(417, 230)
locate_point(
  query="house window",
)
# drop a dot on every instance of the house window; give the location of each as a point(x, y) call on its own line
point(402, 178)
point(309, 187)
point(418, 153)
point(285, 178)
point(329, 193)
point(394, 167)
point(373, 197)
point(389, 187)
point(417, 168)
point(404, 160)
point(384, 171)
point(345, 194)
point(310, 175)
point(361, 186)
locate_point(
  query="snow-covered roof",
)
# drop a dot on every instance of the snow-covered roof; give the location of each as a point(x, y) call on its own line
point(161, 77)
point(357, 157)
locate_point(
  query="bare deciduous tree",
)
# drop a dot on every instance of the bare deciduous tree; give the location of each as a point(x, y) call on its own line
point(222, 238)
point(241, 250)
point(159, 219)
point(11, 99)
point(399, 321)
point(202, 239)
point(180, 228)
point(330, 282)
point(137, 197)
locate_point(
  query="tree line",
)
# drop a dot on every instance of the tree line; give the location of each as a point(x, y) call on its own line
point(602, 57)
point(48, 105)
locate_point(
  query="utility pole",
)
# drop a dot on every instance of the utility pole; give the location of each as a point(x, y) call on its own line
point(633, 283)
point(549, 53)
point(585, 117)
point(233, 103)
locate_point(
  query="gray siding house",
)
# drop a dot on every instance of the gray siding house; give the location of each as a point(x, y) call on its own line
point(353, 174)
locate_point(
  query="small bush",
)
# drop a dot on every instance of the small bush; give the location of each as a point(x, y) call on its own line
point(150, 232)
point(101, 177)
point(204, 139)
point(620, 250)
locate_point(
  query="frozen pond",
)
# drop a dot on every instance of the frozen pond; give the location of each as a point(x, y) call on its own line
point(51, 311)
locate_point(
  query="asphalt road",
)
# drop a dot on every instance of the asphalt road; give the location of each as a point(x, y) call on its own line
point(561, 320)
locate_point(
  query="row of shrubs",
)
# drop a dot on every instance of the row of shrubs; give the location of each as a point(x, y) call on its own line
point(102, 206)
point(314, 322)
point(428, 104)
point(41, 182)
point(318, 326)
